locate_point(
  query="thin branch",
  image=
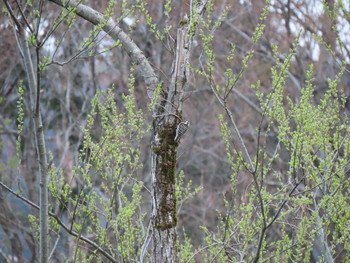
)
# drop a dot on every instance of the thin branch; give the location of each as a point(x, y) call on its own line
point(55, 245)
point(18, 24)
point(24, 17)
point(65, 227)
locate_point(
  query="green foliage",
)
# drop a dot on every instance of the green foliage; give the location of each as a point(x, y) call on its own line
point(233, 156)
point(56, 184)
point(206, 33)
point(214, 249)
point(141, 6)
point(34, 222)
point(185, 252)
point(42, 65)
point(107, 204)
point(155, 96)
point(184, 191)
point(167, 7)
point(20, 120)
point(128, 233)
point(259, 29)
point(314, 134)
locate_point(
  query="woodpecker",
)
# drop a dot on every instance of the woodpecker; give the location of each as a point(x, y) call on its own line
point(181, 130)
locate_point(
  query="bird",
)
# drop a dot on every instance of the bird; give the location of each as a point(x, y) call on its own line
point(181, 130)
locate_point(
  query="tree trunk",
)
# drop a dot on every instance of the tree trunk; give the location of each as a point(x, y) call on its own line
point(164, 155)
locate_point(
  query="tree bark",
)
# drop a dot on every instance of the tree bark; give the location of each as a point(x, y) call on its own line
point(321, 243)
point(164, 156)
point(40, 144)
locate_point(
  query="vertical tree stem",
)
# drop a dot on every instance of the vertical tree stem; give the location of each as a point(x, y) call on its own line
point(40, 144)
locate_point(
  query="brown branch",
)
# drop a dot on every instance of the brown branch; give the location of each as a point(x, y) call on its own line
point(114, 31)
point(12, 15)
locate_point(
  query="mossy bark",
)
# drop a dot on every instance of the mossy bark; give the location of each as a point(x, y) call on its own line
point(164, 159)
point(164, 199)
point(165, 170)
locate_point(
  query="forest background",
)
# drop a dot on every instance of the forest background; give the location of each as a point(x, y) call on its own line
point(91, 96)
